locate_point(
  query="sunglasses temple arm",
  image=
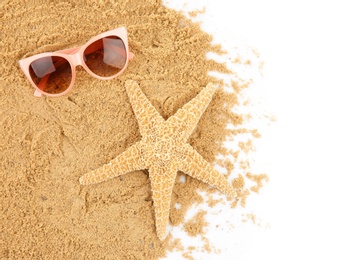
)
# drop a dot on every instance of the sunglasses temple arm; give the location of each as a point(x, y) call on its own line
point(43, 82)
point(74, 50)
point(131, 55)
point(69, 51)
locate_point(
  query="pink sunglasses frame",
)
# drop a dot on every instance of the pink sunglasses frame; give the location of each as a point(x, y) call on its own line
point(75, 58)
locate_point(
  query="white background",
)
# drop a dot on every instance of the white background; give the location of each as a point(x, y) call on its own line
point(298, 43)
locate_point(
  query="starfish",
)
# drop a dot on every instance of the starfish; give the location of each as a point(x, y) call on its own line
point(163, 150)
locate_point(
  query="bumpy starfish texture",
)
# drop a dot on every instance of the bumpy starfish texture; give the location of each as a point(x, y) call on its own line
point(163, 150)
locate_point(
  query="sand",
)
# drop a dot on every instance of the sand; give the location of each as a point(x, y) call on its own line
point(46, 144)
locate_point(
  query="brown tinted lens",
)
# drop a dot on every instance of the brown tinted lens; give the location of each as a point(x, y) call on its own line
point(52, 74)
point(106, 57)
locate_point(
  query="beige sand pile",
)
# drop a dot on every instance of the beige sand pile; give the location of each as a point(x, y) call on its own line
point(46, 144)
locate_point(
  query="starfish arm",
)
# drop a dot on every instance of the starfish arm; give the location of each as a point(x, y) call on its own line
point(186, 118)
point(162, 182)
point(196, 166)
point(146, 114)
point(128, 161)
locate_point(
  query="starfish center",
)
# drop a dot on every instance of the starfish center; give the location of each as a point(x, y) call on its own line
point(163, 151)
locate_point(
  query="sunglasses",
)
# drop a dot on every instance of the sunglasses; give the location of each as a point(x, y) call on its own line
point(104, 56)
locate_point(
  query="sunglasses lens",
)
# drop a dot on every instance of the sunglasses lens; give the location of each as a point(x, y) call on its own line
point(106, 57)
point(52, 74)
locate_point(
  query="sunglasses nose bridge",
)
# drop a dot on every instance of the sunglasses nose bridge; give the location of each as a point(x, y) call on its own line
point(76, 59)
